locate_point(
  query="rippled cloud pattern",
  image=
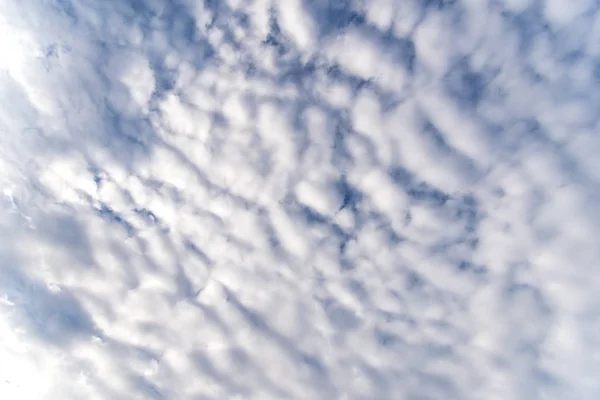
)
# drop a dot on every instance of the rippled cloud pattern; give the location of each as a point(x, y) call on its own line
point(299, 199)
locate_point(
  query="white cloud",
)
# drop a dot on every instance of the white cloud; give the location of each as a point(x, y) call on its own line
point(560, 13)
point(280, 200)
point(297, 23)
point(433, 44)
point(360, 55)
point(380, 13)
point(517, 5)
point(134, 73)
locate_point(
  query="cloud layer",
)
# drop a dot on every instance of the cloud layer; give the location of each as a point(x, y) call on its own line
point(278, 199)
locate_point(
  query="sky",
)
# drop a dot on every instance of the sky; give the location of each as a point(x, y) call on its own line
point(299, 199)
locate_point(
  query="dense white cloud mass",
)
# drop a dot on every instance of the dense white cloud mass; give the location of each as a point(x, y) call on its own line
point(273, 199)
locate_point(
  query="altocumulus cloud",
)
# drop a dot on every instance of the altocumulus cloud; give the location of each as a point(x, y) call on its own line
point(289, 199)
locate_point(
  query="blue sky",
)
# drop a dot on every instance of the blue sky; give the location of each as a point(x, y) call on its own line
point(269, 199)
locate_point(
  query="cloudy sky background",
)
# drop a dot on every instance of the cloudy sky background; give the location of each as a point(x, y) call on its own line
point(287, 199)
